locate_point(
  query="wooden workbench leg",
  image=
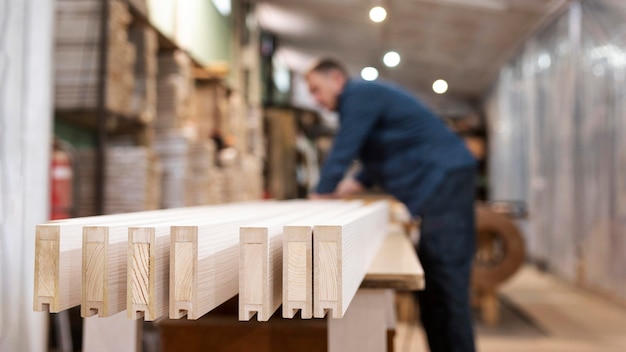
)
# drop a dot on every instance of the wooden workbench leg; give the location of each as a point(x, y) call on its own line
point(115, 333)
point(364, 326)
point(490, 307)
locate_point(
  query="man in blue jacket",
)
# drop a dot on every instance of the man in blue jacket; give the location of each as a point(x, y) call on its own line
point(410, 153)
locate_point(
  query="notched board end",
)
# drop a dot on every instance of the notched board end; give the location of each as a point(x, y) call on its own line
point(180, 309)
point(135, 314)
point(248, 311)
point(44, 304)
point(90, 309)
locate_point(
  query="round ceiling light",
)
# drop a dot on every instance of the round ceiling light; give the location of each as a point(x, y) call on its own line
point(440, 86)
point(391, 59)
point(369, 73)
point(378, 14)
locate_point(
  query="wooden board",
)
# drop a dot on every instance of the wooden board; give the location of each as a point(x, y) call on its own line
point(150, 257)
point(343, 249)
point(147, 263)
point(58, 257)
point(57, 268)
point(298, 260)
point(105, 257)
point(260, 263)
point(395, 265)
point(104, 270)
point(189, 265)
point(204, 261)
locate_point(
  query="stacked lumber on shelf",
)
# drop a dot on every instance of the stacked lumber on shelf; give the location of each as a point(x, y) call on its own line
point(133, 179)
point(206, 114)
point(140, 5)
point(217, 187)
point(174, 150)
point(202, 171)
point(144, 98)
point(242, 176)
point(188, 261)
point(175, 90)
point(252, 168)
point(256, 136)
point(77, 69)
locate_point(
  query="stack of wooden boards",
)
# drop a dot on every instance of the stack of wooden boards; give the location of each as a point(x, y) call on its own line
point(174, 150)
point(144, 98)
point(308, 255)
point(77, 38)
point(133, 180)
point(175, 85)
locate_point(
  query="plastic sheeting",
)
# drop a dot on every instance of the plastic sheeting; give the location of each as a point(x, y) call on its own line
point(557, 128)
point(25, 129)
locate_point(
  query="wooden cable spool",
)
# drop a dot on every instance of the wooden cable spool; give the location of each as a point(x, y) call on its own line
point(500, 249)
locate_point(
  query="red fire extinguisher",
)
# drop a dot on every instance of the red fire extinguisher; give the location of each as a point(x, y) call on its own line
point(61, 178)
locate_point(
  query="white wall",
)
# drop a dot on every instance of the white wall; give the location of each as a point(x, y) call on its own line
point(25, 128)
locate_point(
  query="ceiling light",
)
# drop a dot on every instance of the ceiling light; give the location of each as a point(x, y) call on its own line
point(440, 86)
point(391, 59)
point(369, 73)
point(378, 14)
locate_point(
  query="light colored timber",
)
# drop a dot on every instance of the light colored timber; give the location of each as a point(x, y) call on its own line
point(104, 270)
point(57, 281)
point(58, 256)
point(343, 249)
point(105, 258)
point(152, 248)
point(148, 254)
point(204, 261)
point(298, 260)
point(261, 263)
point(395, 265)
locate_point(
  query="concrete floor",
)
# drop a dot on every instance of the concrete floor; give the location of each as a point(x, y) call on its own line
point(540, 313)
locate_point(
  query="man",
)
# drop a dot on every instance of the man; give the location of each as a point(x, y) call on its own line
point(409, 152)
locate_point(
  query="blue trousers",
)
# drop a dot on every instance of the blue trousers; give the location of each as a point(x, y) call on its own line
point(446, 251)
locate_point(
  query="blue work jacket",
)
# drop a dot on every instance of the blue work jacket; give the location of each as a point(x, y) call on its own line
point(403, 146)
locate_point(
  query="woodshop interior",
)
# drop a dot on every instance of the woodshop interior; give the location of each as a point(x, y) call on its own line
point(156, 157)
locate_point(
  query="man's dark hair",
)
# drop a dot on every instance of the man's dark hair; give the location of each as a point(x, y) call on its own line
point(326, 65)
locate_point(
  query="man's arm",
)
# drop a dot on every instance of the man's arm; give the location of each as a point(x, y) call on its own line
point(359, 113)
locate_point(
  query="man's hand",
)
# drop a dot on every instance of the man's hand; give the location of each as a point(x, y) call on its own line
point(348, 187)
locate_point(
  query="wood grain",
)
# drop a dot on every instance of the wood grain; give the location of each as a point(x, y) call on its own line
point(204, 264)
point(343, 249)
point(298, 260)
point(104, 270)
point(261, 254)
point(395, 265)
point(106, 263)
point(193, 256)
point(148, 264)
